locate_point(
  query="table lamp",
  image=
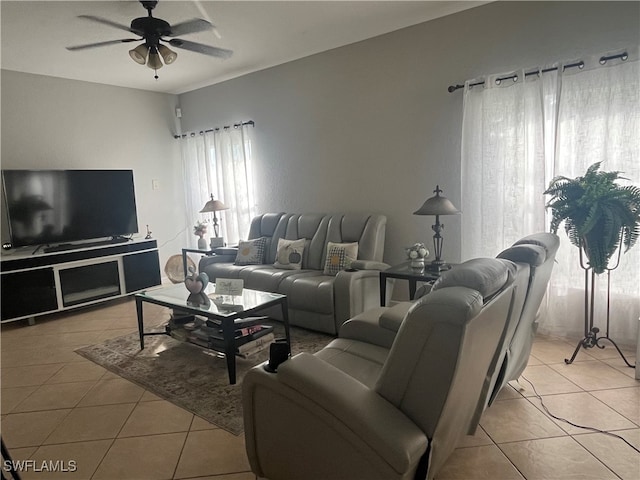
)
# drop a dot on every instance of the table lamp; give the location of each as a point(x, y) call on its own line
point(437, 205)
point(214, 206)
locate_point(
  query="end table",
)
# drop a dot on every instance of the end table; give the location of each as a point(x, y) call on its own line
point(404, 271)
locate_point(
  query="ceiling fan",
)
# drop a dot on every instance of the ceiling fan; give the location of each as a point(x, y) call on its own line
point(153, 31)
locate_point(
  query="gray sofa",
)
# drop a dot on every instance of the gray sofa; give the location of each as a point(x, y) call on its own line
point(316, 300)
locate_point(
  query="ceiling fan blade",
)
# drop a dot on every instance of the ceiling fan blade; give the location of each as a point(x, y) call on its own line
point(206, 16)
point(190, 26)
point(105, 21)
point(201, 48)
point(102, 44)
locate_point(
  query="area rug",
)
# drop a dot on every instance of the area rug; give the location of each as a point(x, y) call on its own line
point(189, 376)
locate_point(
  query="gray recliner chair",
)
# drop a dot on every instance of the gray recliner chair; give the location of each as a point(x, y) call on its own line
point(534, 256)
point(360, 410)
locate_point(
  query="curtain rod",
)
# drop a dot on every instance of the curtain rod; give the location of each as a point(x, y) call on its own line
point(216, 129)
point(623, 56)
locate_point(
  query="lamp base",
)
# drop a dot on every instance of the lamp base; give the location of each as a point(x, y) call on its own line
point(437, 266)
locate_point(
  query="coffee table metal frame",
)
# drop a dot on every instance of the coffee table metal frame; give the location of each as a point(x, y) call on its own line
point(175, 296)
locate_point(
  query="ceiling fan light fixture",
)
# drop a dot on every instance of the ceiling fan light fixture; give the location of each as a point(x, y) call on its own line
point(139, 54)
point(154, 61)
point(168, 55)
point(151, 32)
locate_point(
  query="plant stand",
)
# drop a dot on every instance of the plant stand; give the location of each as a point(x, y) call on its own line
point(591, 338)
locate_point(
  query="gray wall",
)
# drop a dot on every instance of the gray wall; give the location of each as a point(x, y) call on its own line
point(56, 123)
point(371, 126)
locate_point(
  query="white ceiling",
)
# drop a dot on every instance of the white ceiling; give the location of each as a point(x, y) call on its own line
point(262, 34)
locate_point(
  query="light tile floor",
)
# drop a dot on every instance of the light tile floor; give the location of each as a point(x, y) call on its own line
point(55, 405)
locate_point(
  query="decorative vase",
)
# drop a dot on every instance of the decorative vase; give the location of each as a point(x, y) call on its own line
point(416, 255)
point(417, 263)
point(202, 243)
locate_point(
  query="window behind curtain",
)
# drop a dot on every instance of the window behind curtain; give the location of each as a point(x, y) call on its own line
point(516, 138)
point(220, 162)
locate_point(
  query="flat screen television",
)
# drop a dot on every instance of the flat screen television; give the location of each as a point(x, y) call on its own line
point(48, 207)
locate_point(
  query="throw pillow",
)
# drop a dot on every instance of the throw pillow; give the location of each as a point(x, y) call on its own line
point(251, 252)
point(289, 256)
point(339, 257)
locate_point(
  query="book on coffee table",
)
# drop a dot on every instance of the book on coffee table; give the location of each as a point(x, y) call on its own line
point(255, 346)
point(213, 337)
point(240, 322)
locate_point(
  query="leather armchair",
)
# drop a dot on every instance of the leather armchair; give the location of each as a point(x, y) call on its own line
point(534, 256)
point(359, 410)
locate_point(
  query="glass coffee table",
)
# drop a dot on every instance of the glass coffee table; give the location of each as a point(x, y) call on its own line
point(233, 308)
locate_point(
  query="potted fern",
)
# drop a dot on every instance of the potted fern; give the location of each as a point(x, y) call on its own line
point(598, 214)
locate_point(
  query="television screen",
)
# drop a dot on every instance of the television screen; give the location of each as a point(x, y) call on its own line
point(55, 206)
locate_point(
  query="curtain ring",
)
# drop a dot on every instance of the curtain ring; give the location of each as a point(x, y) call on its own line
point(603, 60)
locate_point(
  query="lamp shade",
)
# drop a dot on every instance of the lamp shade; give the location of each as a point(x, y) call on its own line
point(168, 55)
point(154, 61)
point(139, 54)
point(437, 205)
point(213, 206)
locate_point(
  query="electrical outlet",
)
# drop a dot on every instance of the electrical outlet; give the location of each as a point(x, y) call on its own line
point(155, 184)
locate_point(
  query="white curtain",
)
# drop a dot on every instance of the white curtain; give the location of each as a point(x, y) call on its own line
point(517, 136)
point(220, 162)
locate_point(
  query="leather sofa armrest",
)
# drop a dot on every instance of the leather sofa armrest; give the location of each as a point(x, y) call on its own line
point(208, 260)
point(392, 317)
point(369, 265)
point(226, 251)
point(355, 292)
point(378, 326)
point(325, 393)
point(365, 327)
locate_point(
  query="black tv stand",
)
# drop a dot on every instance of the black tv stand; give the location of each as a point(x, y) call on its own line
point(34, 285)
point(62, 247)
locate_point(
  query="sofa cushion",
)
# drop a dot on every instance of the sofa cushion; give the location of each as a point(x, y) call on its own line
point(251, 252)
point(485, 275)
point(362, 361)
point(289, 254)
point(339, 257)
point(268, 279)
point(313, 227)
point(309, 290)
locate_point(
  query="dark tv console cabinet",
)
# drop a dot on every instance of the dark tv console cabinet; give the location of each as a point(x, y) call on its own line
point(34, 285)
